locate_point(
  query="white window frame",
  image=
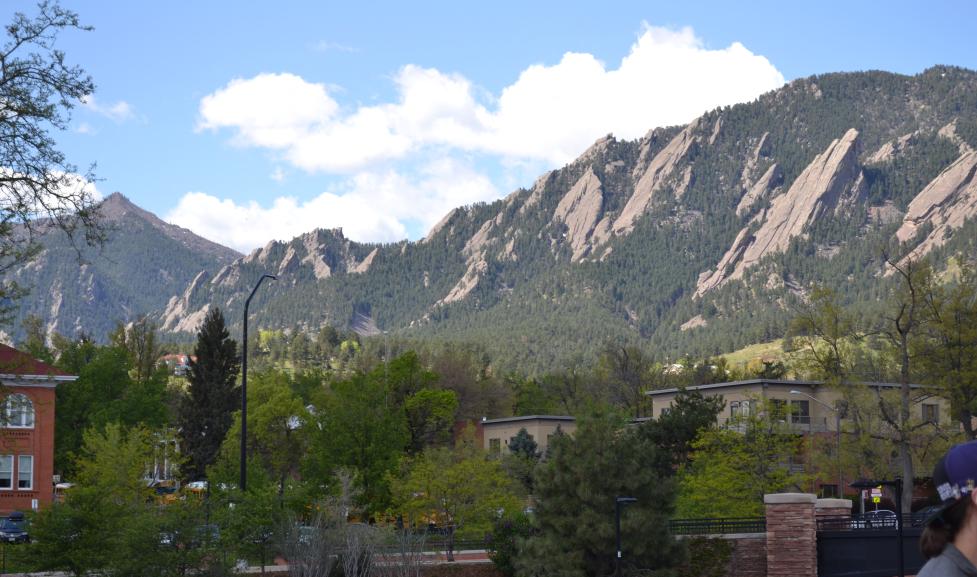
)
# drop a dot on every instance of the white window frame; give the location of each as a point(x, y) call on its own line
point(10, 473)
point(20, 472)
point(21, 406)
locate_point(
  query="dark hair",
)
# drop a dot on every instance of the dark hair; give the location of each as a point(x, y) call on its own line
point(943, 529)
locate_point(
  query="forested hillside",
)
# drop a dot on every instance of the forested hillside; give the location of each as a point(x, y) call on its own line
point(89, 289)
point(695, 239)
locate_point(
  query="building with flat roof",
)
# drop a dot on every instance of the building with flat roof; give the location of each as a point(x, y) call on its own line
point(809, 406)
point(496, 433)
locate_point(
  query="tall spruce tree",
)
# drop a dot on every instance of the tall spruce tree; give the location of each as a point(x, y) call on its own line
point(575, 504)
point(206, 413)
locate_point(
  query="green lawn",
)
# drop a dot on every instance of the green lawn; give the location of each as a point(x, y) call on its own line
point(741, 357)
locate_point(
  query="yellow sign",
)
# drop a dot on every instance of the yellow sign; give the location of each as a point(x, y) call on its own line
point(876, 499)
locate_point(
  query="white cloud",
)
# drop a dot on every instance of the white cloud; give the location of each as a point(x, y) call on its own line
point(550, 113)
point(392, 188)
point(84, 128)
point(327, 46)
point(119, 111)
point(370, 206)
point(269, 110)
point(278, 175)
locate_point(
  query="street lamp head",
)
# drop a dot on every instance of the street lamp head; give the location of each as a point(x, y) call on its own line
point(626, 500)
point(795, 392)
point(271, 276)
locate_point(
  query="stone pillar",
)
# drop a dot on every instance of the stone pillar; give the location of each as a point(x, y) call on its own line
point(833, 514)
point(832, 508)
point(791, 535)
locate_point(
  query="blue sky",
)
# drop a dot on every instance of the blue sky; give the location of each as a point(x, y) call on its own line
point(252, 121)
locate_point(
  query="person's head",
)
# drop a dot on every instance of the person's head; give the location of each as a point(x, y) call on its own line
point(955, 478)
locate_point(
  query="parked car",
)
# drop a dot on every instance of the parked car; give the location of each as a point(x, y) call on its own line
point(12, 529)
point(879, 519)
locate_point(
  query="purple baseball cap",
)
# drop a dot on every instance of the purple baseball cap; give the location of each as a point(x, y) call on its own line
point(955, 476)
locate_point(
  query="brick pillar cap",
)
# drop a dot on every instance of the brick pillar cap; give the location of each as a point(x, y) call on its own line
point(833, 504)
point(787, 498)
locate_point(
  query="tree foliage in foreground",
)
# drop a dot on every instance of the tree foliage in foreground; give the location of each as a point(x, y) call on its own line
point(731, 469)
point(92, 529)
point(41, 190)
point(460, 489)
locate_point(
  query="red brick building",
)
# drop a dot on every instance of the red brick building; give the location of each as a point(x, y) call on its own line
point(27, 389)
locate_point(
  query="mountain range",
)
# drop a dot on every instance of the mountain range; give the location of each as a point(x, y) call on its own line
point(694, 239)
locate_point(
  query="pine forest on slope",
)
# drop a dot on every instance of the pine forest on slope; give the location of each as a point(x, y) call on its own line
point(695, 239)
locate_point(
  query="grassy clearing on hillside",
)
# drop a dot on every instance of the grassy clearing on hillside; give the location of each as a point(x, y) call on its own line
point(771, 350)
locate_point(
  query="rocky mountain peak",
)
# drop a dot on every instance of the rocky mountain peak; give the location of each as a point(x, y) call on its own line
point(117, 210)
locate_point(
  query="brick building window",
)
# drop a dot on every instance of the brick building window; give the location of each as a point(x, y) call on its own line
point(18, 411)
point(25, 472)
point(6, 472)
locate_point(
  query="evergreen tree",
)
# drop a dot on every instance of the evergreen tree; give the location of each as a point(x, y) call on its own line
point(523, 444)
point(575, 503)
point(674, 432)
point(206, 413)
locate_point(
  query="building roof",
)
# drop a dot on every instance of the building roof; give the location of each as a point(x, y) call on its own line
point(18, 364)
point(764, 382)
point(562, 418)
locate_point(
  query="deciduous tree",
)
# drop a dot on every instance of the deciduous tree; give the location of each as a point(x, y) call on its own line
point(461, 488)
point(731, 469)
point(41, 190)
point(359, 427)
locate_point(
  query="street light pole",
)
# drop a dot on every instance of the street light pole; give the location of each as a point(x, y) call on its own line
point(244, 386)
point(618, 501)
point(841, 476)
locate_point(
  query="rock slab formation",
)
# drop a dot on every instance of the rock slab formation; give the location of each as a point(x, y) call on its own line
point(832, 180)
point(945, 203)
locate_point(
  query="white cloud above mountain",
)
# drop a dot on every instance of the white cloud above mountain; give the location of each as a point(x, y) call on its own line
point(370, 207)
point(545, 118)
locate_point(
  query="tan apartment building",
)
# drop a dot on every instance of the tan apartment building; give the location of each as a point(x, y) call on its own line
point(810, 406)
point(496, 433)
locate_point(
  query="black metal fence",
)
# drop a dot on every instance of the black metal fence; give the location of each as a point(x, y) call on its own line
point(855, 550)
point(868, 522)
point(717, 526)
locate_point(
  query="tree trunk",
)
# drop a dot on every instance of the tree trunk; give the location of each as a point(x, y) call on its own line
point(905, 454)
